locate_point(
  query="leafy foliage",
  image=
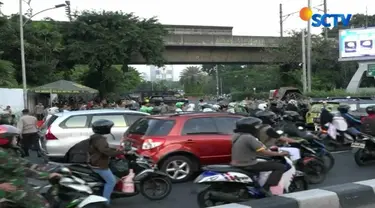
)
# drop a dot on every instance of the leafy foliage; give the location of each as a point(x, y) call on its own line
point(57, 50)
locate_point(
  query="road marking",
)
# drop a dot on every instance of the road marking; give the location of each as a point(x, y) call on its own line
point(338, 152)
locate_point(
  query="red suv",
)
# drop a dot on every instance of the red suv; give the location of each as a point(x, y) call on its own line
point(182, 143)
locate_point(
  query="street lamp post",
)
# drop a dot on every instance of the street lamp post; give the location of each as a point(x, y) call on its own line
point(23, 64)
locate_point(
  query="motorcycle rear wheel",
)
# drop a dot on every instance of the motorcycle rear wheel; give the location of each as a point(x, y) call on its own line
point(162, 185)
point(206, 199)
point(328, 160)
point(358, 157)
point(315, 171)
point(298, 184)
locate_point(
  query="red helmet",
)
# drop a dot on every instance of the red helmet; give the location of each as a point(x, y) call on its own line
point(7, 134)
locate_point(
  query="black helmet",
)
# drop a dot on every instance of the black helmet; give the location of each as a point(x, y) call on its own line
point(8, 134)
point(370, 109)
point(343, 108)
point(102, 126)
point(291, 116)
point(247, 125)
point(267, 117)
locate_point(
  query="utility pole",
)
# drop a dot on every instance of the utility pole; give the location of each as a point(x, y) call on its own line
point(217, 80)
point(304, 84)
point(366, 23)
point(309, 51)
point(281, 20)
point(221, 86)
point(68, 10)
point(1, 4)
point(325, 12)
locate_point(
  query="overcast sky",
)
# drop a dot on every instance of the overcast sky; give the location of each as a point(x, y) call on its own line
point(248, 17)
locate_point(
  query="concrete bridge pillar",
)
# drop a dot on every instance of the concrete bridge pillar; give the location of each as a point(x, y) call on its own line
point(353, 86)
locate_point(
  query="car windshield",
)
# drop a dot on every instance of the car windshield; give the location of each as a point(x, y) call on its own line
point(363, 106)
point(317, 108)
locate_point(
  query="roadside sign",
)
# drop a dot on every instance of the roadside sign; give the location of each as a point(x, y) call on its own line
point(371, 70)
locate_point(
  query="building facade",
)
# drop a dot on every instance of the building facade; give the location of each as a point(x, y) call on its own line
point(163, 73)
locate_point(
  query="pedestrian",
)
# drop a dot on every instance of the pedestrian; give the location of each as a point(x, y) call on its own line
point(29, 131)
point(39, 111)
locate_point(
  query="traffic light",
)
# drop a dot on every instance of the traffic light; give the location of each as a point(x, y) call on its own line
point(67, 10)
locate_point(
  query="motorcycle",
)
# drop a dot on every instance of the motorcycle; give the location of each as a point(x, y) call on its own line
point(147, 176)
point(67, 191)
point(228, 184)
point(317, 145)
point(364, 150)
point(312, 149)
point(336, 135)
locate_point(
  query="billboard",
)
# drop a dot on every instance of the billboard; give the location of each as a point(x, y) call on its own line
point(357, 44)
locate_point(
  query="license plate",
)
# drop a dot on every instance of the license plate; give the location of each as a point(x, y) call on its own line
point(358, 145)
point(316, 120)
point(317, 128)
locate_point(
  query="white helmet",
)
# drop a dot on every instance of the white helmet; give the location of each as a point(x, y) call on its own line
point(293, 102)
point(216, 107)
point(53, 110)
point(263, 106)
point(208, 110)
point(191, 107)
point(232, 105)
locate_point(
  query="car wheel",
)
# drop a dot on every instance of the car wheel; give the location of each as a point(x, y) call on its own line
point(178, 168)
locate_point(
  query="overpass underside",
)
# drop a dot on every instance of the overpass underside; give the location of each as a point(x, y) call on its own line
point(213, 55)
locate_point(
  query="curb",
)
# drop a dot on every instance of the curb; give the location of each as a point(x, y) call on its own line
point(359, 194)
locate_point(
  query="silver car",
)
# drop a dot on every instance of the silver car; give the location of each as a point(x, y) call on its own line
point(63, 130)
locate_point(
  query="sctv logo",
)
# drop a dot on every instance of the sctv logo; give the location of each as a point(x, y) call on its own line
point(323, 19)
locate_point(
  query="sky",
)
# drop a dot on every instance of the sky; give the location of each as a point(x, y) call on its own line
point(251, 18)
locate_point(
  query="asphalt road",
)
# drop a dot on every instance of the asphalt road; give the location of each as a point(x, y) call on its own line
point(183, 196)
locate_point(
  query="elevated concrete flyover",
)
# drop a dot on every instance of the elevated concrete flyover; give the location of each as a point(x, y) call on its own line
point(219, 49)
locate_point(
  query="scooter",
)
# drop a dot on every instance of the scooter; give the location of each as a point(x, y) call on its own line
point(228, 184)
point(67, 191)
point(335, 135)
point(317, 145)
point(146, 175)
point(310, 146)
point(364, 150)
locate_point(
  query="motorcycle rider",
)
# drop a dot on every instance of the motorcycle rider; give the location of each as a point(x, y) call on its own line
point(350, 120)
point(179, 106)
point(15, 170)
point(268, 135)
point(100, 154)
point(292, 105)
point(368, 122)
point(246, 147)
point(201, 104)
point(231, 107)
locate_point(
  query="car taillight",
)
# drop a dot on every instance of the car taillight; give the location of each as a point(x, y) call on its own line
point(152, 143)
point(49, 135)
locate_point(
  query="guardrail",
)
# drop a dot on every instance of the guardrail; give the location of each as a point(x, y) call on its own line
point(359, 194)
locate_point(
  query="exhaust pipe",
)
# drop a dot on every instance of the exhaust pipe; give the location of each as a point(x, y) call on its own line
point(224, 197)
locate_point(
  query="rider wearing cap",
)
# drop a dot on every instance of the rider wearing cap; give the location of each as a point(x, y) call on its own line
point(246, 147)
point(15, 170)
point(100, 154)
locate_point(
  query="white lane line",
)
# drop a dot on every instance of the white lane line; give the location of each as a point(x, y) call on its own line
point(338, 152)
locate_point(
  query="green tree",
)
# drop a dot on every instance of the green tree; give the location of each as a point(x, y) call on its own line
point(193, 79)
point(7, 74)
point(327, 71)
point(103, 39)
